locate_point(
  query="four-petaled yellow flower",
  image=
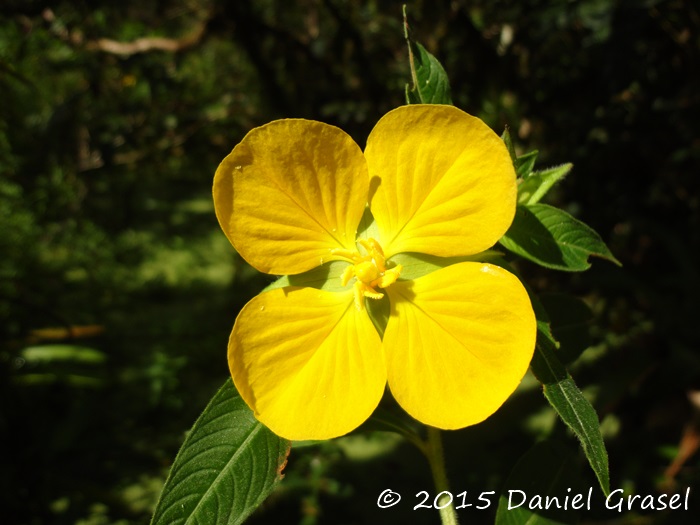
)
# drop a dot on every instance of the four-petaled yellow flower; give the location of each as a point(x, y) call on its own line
point(437, 181)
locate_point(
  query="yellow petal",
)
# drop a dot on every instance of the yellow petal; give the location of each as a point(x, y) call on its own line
point(291, 191)
point(307, 362)
point(458, 342)
point(445, 183)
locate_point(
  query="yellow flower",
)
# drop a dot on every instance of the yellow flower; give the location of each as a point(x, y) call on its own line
point(309, 362)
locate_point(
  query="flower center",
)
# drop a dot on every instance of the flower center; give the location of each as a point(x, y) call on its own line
point(369, 271)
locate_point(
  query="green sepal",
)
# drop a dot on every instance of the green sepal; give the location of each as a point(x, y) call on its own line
point(554, 239)
point(538, 183)
point(567, 400)
point(430, 82)
point(368, 226)
point(324, 277)
point(557, 476)
point(416, 265)
point(379, 311)
point(227, 466)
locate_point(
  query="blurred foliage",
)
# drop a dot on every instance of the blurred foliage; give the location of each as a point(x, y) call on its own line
point(113, 118)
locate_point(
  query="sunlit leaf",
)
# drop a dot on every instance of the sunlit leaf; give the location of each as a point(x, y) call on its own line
point(430, 82)
point(226, 467)
point(554, 239)
point(538, 183)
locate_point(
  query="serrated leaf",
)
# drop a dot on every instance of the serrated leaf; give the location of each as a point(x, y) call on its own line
point(554, 239)
point(557, 477)
point(226, 467)
point(430, 82)
point(571, 406)
point(537, 184)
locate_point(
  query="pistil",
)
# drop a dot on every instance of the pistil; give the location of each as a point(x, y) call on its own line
point(369, 271)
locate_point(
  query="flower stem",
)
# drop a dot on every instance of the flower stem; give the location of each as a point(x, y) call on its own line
point(436, 458)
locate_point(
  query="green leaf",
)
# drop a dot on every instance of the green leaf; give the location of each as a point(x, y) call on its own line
point(570, 320)
point(554, 239)
point(430, 82)
point(226, 467)
point(525, 164)
point(508, 140)
point(573, 408)
point(538, 183)
point(557, 477)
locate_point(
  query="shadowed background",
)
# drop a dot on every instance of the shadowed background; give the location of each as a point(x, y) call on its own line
point(118, 290)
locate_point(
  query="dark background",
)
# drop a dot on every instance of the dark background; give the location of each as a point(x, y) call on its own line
point(113, 118)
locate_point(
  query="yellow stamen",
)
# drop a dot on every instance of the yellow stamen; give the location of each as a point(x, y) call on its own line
point(348, 274)
point(389, 277)
point(369, 270)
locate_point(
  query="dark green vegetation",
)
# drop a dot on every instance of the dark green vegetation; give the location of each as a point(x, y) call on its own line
point(113, 119)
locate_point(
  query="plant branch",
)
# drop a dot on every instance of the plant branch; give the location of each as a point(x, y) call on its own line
point(436, 458)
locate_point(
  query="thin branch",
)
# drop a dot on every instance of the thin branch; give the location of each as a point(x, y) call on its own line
point(146, 44)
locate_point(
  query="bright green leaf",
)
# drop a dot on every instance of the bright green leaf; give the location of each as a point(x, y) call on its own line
point(554, 239)
point(430, 82)
point(557, 477)
point(226, 467)
point(538, 183)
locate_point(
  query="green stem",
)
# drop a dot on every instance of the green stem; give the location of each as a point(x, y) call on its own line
point(436, 458)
